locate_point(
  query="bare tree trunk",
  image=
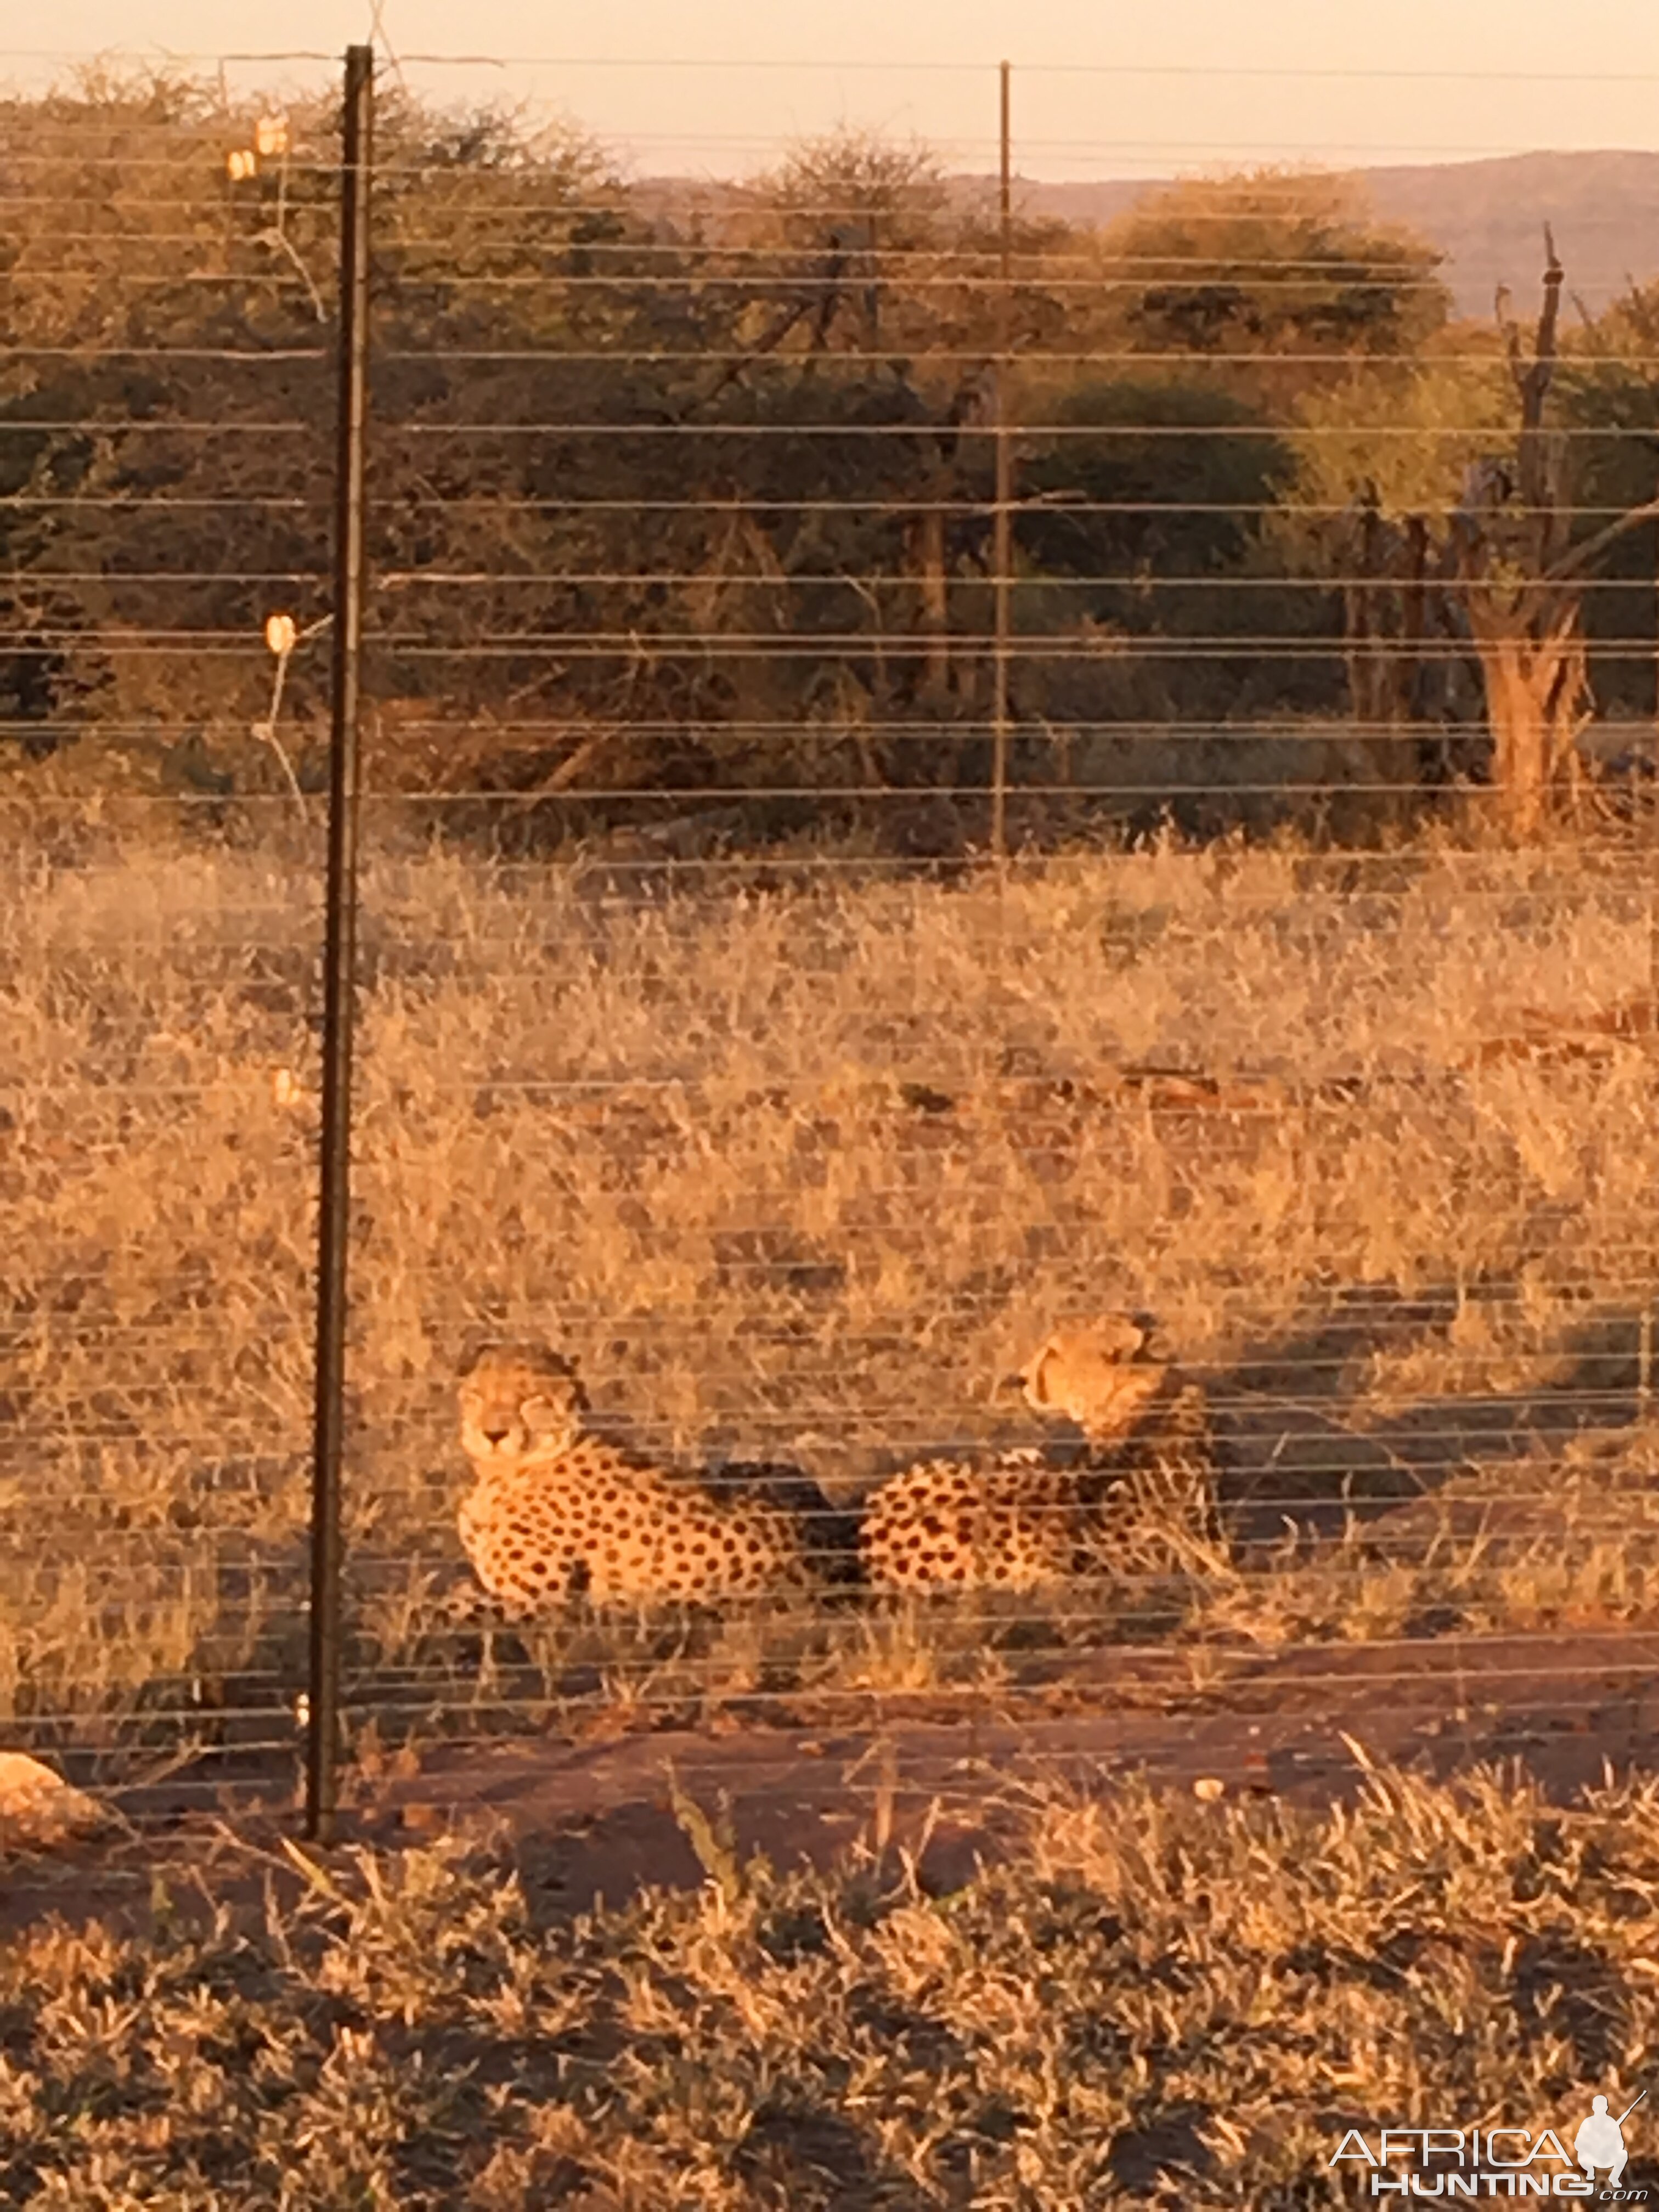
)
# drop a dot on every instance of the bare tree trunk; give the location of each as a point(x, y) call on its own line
point(1413, 622)
point(928, 542)
point(1384, 599)
point(1361, 595)
point(1531, 380)
point(1527, 631)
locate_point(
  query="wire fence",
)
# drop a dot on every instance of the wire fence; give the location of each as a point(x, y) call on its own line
point(1007, 881)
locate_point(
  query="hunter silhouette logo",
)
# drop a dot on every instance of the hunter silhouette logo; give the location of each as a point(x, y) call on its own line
point(1501, 2161)
point(1599, 2142)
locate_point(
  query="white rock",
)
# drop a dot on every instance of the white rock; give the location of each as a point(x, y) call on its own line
point(38, 1807)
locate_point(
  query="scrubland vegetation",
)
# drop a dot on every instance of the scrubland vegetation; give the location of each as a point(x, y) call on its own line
point(1155, 2002)
point(1313, 1013)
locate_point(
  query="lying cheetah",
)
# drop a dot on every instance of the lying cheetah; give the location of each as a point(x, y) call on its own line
point(1150, 1464)
point(558, 1512)
point(1023, 1522)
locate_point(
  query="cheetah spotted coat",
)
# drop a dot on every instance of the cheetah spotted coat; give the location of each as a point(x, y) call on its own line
point(1144, 1506)
point(557, 1512)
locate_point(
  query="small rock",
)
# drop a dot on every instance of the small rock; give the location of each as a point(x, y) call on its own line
point(38, 1808)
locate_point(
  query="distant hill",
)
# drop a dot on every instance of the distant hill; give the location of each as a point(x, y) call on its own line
point(1487, 216)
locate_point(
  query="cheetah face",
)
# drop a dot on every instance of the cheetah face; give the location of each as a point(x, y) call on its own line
point(520, 1403)
point(1095, 1373)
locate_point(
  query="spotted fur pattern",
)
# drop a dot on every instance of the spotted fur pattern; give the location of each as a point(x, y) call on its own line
point(556, 1511)
point(1154, 1509)
point(1016, 1525)
point(1141, 1502)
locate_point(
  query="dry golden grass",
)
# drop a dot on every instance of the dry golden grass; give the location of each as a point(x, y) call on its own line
point(798, 1166)
point(1158, 2000)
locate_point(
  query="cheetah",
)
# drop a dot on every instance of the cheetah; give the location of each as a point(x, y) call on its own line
point(1149, 1466)
point(558, 1512)
point(1025, 1523)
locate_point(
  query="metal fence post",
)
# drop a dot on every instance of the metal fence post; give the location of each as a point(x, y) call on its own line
point(1644, 1348)
point(322, 1750)
point(1002, 539)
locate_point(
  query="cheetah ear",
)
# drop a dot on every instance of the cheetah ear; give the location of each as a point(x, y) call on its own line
point(1156, 1344)
point(538, 1355)
point(477, 1341)
point(1121, 1335)
point(1036, 1388)
point(575, 1389)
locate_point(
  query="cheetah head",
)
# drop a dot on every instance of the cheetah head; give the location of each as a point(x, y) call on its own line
point(519, 1401)
point(1096, 1373)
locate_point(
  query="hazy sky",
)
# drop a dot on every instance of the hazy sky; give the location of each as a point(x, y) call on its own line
point(1100, 89)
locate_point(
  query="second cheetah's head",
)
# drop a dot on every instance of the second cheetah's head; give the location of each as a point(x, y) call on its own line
point(519, 1401)
point(1096, 1373)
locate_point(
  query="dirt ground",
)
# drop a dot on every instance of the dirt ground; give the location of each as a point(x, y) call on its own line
point(599, 1819)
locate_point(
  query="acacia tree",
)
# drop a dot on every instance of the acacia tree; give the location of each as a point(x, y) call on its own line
point(166, 303)
point(157, 313)
point(1274, 281)
point(1608, 395)
point(905, 325)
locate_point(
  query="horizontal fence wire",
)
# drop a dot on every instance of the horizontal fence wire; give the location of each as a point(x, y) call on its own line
point(932, 778)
